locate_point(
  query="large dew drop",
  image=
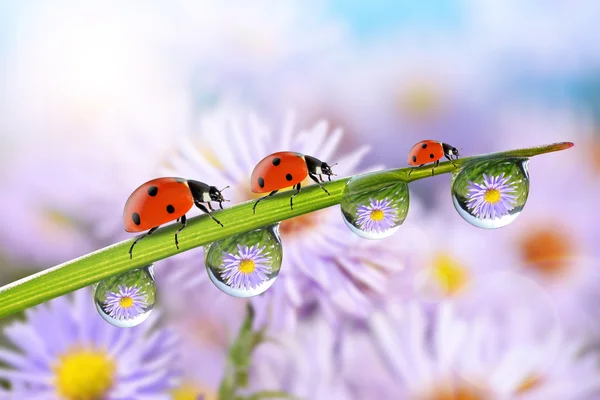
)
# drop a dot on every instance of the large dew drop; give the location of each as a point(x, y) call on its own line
point(126, 300)
point(247, 264)
point(374, 205)
point(491, 193)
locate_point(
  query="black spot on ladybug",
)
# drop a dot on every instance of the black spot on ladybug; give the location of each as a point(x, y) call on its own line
point(261, 182)
point(276, 161)
point(152, 191)
point(431, 156)
point(424, 146)
point(170, 209)
point(135, 217)
point(289, 177)
point(414, 158)
point(179, 180)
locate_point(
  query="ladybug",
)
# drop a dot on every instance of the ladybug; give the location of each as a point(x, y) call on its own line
point(428, 151)
point(284, 169)
point(162, 200)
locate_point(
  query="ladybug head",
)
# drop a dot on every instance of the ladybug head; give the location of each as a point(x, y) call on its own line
point(450, 150)
point(216, 195)
point(326, 170)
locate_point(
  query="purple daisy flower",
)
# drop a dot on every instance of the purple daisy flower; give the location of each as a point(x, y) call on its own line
point(248, 269)
point(378, 216)
point(129, 303)
point(493, 198)
point(65, 351)
point(446, 355)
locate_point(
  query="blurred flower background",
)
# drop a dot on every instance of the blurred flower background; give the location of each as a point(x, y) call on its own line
point(97, 98)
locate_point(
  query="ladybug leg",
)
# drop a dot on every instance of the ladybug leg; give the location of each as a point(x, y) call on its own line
point(298, 186)
point(436, 164)
point(203, 208)
point(150, 232)
point(210, 206)
point(314, 178)
point(262, 198)
point(323, 180)
point(456, 166)
point(412, 169)
point(183, 225)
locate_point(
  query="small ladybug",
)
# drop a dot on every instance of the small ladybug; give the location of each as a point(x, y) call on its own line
point(284, 169)
point(430, 151)
point(162, 200)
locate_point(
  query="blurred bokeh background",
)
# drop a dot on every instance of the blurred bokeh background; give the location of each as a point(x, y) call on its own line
point(97, 98)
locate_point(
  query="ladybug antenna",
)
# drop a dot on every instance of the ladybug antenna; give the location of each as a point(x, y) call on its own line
point(224, 189)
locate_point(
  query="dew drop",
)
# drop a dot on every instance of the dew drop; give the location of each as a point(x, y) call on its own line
point(246, 264)
point(126, 300)
point(491, 193)
point(374, 206)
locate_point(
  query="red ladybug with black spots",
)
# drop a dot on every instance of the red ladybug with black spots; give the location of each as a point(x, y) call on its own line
point(163, 200)
point(284, 169)
point(428, 151)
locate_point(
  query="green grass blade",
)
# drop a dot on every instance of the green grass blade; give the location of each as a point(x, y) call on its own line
point(201, 230)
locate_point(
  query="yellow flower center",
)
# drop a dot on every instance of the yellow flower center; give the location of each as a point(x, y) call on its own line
point(377, 215)
point(450, 274)
point(190, 391)
point(126, 302)
point(247, 266)
point(492, 196)
point(85, 375)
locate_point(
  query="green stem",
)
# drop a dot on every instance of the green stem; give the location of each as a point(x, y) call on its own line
point(201, 230)
point(239, 357)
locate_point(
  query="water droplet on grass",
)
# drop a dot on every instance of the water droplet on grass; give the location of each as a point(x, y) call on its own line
point(491, 193)
point(126, 300)
point(374, 205)
point(246, 264)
